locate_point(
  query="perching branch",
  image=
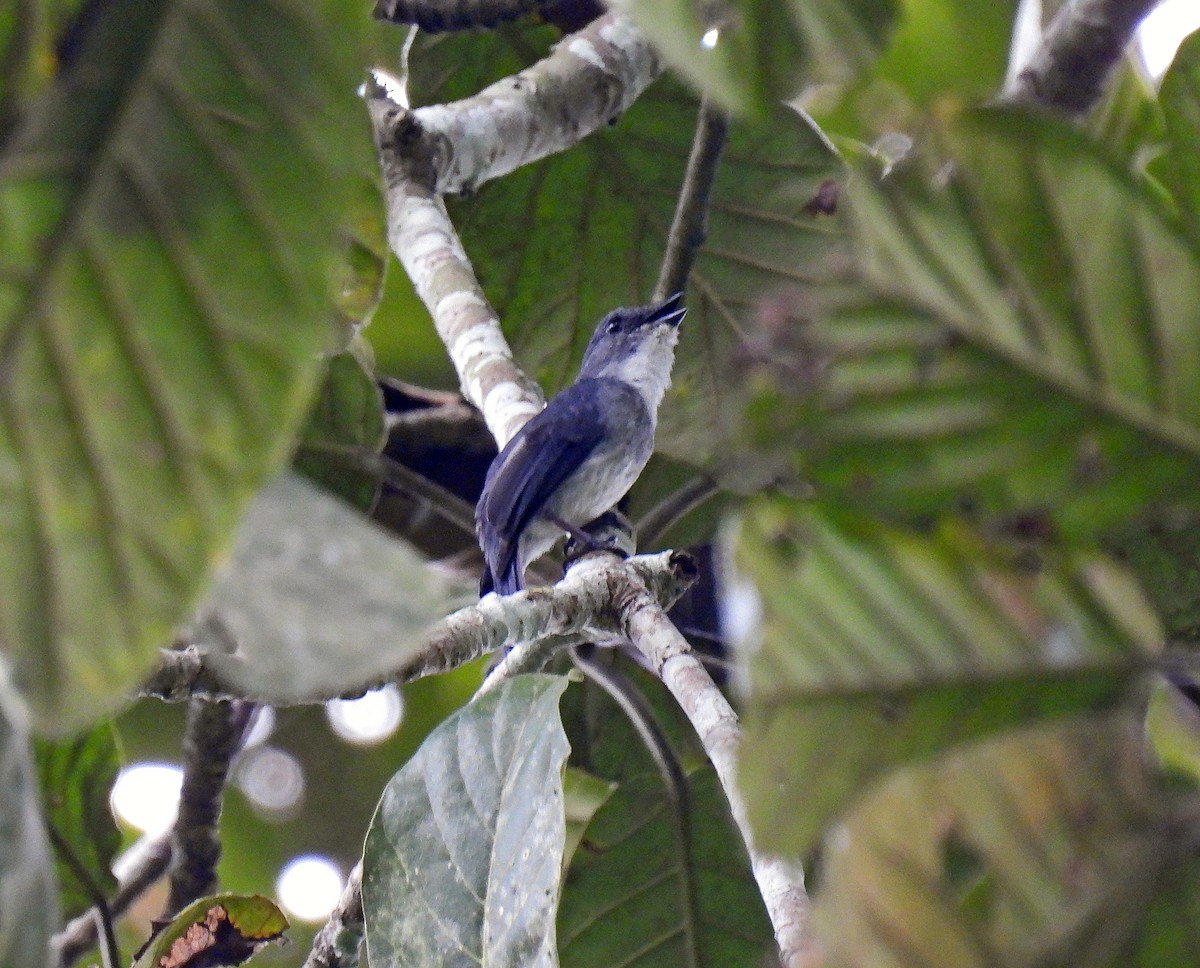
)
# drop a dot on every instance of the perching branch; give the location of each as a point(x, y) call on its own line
point(780, 882)
point(212, 736)
point(572, 606)
point(1079, 49)
point(689, 225)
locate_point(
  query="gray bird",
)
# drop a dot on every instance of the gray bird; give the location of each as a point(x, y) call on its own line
point(578, 457)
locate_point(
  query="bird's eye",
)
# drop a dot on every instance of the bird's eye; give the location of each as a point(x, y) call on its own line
point(614, 327)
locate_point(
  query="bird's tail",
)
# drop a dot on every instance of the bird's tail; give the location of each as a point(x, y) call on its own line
point(508, 582)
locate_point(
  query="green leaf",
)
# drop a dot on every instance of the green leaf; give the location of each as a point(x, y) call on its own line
point(30, 30)
point(583, 795)
point(1179, 96)
point(765, 50)
point(28, 894)
point(646, 887)
point(77, 777)
point(225, 929)
point(543, 242)
point(1173, 731)
point(317, 599)
point(462, 860)
point(1063, 824)
point(169, 228)
point(346, 422)
point(901, 645)
point(1022, 343)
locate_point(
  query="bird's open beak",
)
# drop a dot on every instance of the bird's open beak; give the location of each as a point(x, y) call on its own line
point(669, 312)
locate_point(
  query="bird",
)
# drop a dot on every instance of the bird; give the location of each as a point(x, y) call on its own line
point(573, 461)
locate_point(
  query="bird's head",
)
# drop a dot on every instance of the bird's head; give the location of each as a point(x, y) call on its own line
point(637, 345)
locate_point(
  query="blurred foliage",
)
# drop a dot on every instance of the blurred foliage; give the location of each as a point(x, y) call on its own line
point(969, 332)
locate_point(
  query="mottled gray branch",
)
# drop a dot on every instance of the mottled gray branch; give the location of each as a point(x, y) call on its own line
point(561, 612)
point(1079, 50)
point(212, 735)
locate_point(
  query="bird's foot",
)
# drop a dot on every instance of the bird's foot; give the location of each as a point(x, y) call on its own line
point(612, 531)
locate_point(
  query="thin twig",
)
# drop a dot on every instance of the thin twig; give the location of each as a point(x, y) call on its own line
point(781, 882)
point(102, 913)
point(212, 736)
point(661, 518)
point(79, 936)
point(689, 226)
point(1079, 49)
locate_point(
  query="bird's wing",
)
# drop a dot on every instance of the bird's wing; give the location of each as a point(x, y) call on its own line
point(545, 452)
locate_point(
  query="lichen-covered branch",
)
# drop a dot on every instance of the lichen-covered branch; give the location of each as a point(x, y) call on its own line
point(586, 83)
point(781, 882)
point(1079, 49)
point(573, 606)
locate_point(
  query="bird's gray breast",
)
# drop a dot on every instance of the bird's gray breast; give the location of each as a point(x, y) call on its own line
point(613, 466)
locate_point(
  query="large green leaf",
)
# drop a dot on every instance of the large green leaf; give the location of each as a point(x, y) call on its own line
point(1179, 96)
point(30, 32)
point(77, 777)
point(317, 599)
point(169, 224)
point(560, 243)
point(900, 645)
point(648, 887)
point(1049, 846)
point(28, 896)
point(346, 424)
point(462, 861)
point(1023, 343)
point(764, 50)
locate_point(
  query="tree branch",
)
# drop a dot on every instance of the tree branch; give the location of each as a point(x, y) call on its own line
point(578, 602)
point(1078, 51)
point(586, 83)
point(212, 736)
point(689, 225)
point(781, 882)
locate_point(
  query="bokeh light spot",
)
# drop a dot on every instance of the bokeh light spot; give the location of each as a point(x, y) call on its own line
point(272, 780)
point(309, 887)
point(369, 719)
point(146, 795)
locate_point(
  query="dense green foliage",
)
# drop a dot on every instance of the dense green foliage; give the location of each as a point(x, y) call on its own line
point(941, 363)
